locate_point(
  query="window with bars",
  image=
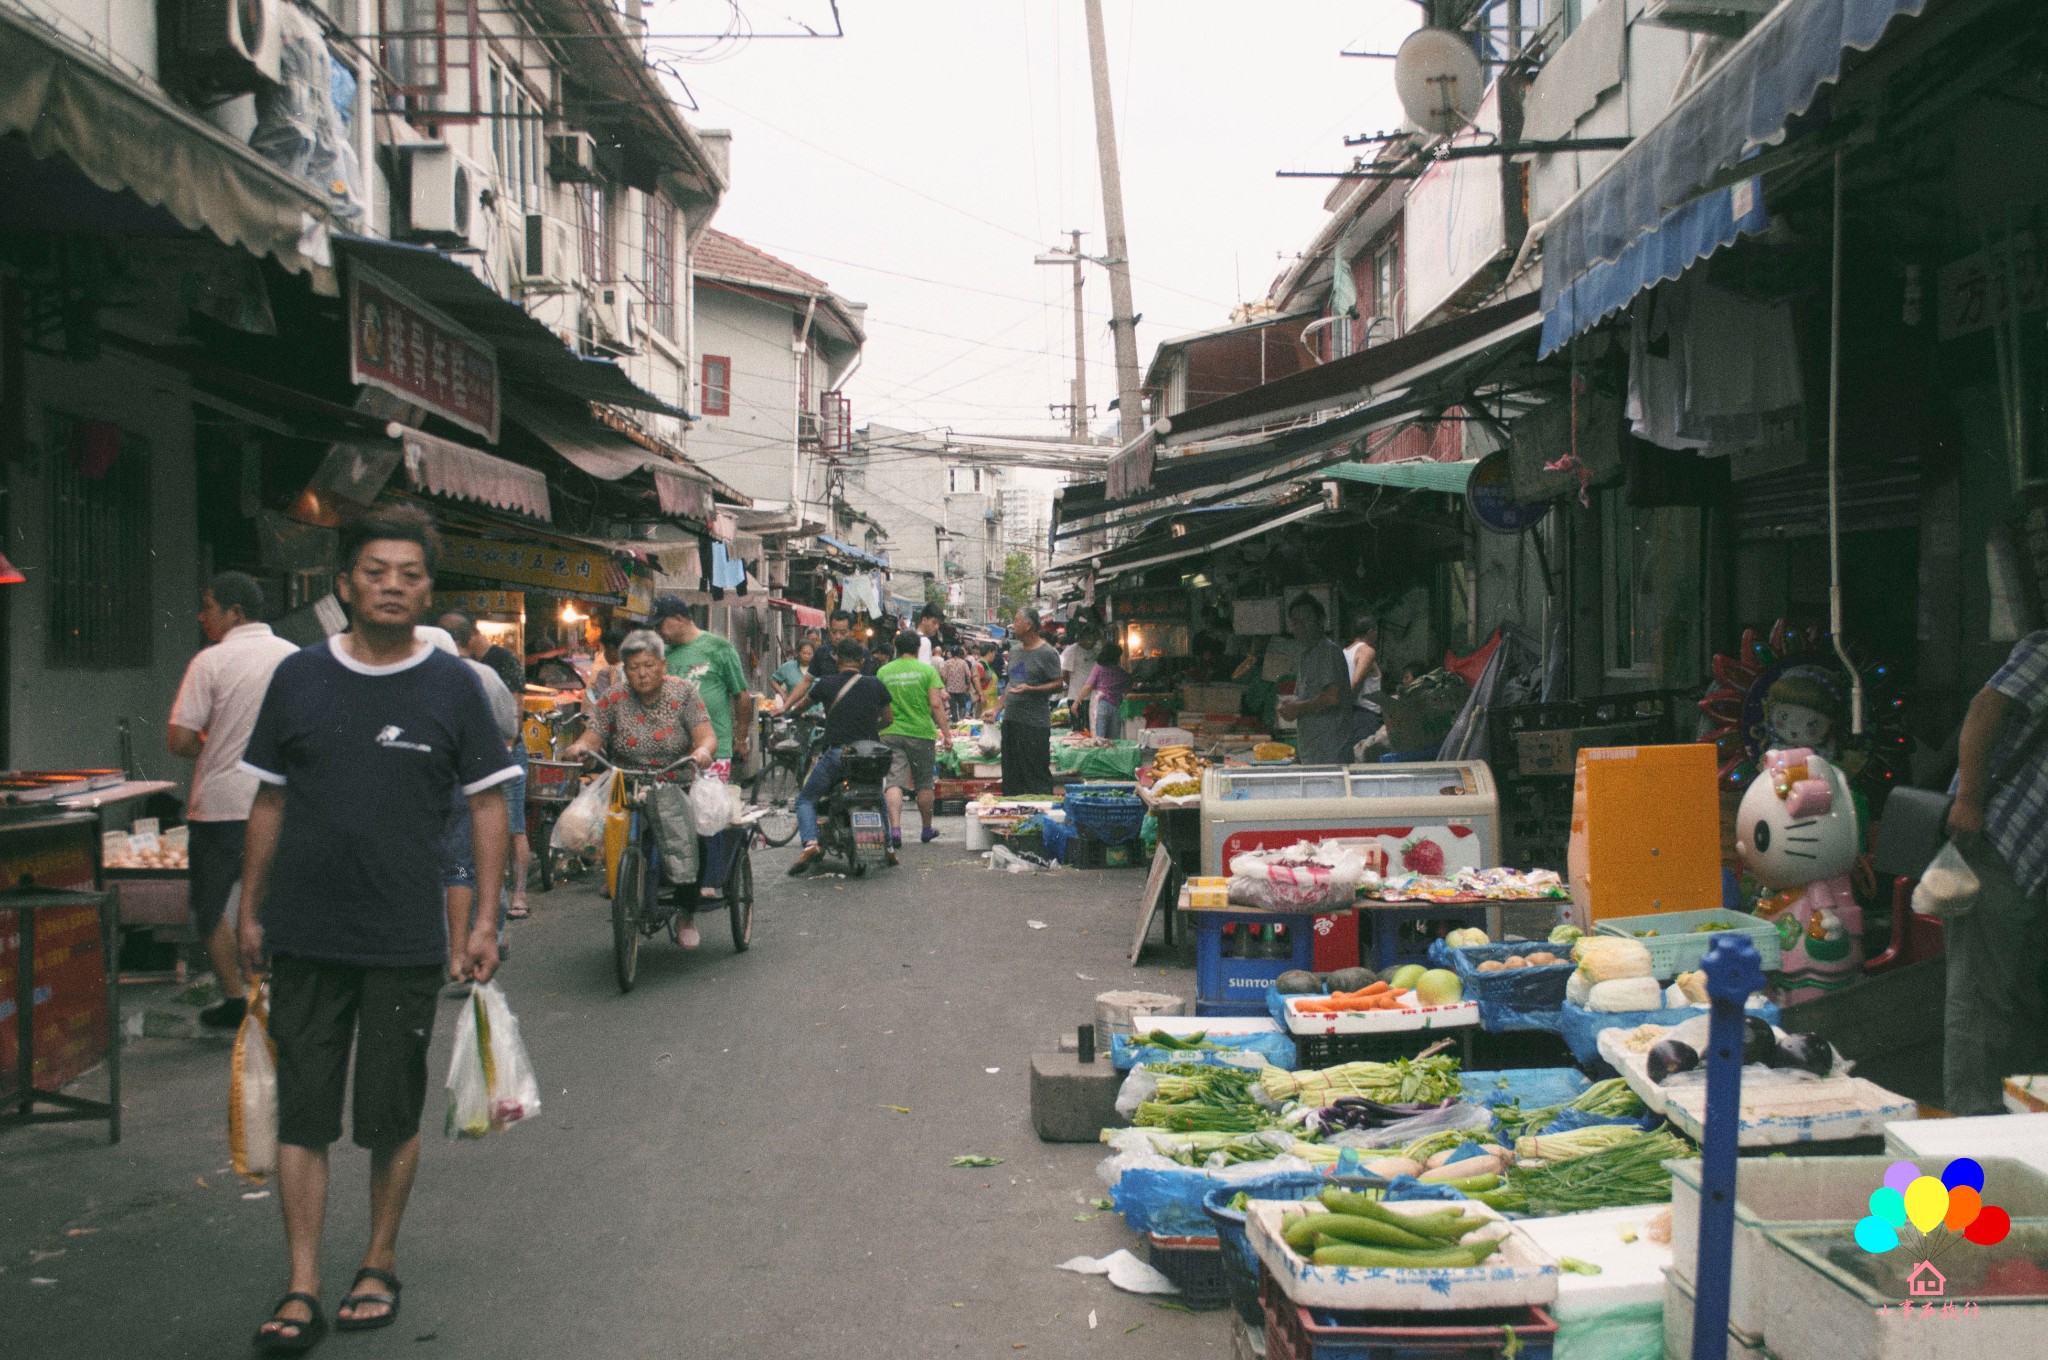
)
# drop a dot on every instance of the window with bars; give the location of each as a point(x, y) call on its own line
point(717, 384)
point(661, 265)
point(99, 543)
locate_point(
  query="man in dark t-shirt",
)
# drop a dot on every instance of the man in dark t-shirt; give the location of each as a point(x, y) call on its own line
point(360, 746)
point(855, 705)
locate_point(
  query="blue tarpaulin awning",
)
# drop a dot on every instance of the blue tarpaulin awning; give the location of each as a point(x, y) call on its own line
point(1640, 217)
point(847, 549)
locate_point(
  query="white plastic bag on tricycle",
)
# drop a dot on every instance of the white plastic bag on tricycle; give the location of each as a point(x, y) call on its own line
point(581, 826)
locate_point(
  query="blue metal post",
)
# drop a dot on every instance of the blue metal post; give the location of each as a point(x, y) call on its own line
point(1733, 972)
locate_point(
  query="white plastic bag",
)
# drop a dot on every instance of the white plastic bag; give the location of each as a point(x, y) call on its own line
point(581, 825)
point(1948, 887)
point(1316, 876)
point(491, 1085)
point(711, 804)
point(252, 1091)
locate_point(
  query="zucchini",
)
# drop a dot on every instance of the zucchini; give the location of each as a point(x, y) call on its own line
point(1433, 1224)
point(1447, 1258)
point(1370, 1232)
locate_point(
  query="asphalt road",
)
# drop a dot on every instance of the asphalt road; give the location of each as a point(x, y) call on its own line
point(716, 1171)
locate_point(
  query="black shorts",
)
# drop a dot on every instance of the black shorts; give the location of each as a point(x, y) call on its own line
point(215, 853)
point(317, 1008)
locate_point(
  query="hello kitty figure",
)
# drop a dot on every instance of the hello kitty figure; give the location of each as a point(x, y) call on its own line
point(1796, 833)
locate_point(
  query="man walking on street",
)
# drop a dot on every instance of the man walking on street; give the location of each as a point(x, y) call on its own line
point(479, 650)
point(360, 745)
point(712, 664)
point(919, 721)
point(930, 620)
point(210, 723)
point(1025, 706)
point(1077, 663)
point(1997, 1022)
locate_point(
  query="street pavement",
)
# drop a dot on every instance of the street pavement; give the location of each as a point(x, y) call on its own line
point(717, 1170)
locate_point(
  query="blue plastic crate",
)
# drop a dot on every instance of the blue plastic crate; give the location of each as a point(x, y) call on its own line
point(1245, 982)
point(1509, 999)
point(1240, 1262)
point(1111, 813)
point(1581, 1027)
point(1392, 945)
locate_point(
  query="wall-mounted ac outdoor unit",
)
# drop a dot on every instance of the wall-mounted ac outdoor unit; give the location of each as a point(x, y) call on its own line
point(1728, 18)
point(544, 253)
point(446, 196)
point(221, 46)
point(572, 156)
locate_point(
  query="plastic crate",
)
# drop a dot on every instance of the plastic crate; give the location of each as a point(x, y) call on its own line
point(1245, 981)
point(1519, 998)
point(1195, 1264)
point(1297, 1333)
point(1112, 813)
point(1241, 1268)
point(1088, 852)
point(1678, 947)
point(1404, 934)
point(1328, 1050)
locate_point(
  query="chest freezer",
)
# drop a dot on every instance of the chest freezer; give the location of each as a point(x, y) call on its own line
point(1432, 818)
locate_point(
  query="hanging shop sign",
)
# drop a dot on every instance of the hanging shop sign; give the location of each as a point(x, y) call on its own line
point(1490, 497)
point(2003, 280)
point(399, 344)
point(1138, 606)
point(584, 573)
point(480, 603)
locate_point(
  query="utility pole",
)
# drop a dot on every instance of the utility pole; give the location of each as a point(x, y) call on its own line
point(1123, 326)
point(1077, 425)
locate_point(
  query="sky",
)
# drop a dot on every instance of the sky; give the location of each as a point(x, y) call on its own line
point(920, 162)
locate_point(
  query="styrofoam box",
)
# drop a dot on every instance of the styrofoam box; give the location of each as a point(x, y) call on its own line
point(2022, 1137)
point(1770, 1192)
point(1779, 1108)
point(1631, 1272)
point(1821, 1312)
point(1411, 1016)
point(1181, 1026)
point(1152, 738)
point(1678, 1314)
point(1520, 1273)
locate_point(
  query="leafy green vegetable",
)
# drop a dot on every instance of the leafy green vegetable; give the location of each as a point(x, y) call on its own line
point(975, 1161)
point(1575, 1266)
point(1631, 1172)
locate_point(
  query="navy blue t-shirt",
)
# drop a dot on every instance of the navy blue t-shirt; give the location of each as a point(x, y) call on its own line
point(370, 758)
point(857, 717)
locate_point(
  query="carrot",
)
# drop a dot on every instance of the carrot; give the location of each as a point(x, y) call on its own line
point(1375, 989)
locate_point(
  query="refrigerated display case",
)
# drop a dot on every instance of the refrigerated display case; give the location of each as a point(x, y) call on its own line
point(1432, 819)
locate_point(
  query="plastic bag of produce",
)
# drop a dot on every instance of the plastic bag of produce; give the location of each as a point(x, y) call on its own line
point(1948, 887)
point(1625, 994)
point(1302, 877)
point(491, 1085)
point(1604, 958)
point(252, 1091)
point(1456, 1117)
point(581, 825)
point(675, 831)
point(711, 802)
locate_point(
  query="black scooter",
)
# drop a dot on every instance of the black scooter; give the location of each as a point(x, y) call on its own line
point(853, 817)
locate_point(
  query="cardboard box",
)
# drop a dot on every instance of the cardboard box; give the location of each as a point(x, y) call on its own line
point(1646, 832)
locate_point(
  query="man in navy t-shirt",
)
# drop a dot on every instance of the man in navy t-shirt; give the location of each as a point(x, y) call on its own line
point(360, 745)
point(854, 715)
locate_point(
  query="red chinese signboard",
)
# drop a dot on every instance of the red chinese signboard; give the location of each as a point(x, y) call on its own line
point(400, 345)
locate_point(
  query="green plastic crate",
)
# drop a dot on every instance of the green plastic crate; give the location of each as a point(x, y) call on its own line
point(1676, 948)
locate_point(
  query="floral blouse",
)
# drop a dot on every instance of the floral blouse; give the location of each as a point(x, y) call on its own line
point(646, 736)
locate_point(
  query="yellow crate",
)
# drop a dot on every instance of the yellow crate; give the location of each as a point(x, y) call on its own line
point(1646, 832)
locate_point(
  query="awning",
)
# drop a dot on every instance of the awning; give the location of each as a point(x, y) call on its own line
point(1474, 360)
point(445, 468)
point(848, 550)
point(1413, 475)
point(528, 350)
point(1687, 234)
point(806, 616)
point(1773, 74)
point(610, 457)
point(63, 99)
point(1219, 529)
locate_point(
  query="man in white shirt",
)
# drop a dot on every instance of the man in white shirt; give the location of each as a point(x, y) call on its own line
point(1077, 663)
point(930, 620)
point(210, 722)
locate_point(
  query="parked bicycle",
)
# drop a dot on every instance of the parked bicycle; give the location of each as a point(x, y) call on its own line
point(788, 745)
point(640, 909)
point(551, 784)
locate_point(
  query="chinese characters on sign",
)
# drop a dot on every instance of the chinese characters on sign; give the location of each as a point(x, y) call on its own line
point(2005, 279)
point(399, 345)
point(583, 573)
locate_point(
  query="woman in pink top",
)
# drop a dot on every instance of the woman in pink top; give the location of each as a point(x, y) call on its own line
point(1108, 683)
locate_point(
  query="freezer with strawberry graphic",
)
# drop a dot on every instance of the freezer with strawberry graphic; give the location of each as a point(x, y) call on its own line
point(1433, 819)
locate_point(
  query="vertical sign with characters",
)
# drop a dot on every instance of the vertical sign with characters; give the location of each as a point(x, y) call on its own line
point(399, 344)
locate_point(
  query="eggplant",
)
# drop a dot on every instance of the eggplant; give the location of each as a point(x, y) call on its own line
point(1670, 1057)
point(1759, 1042)
point(1806, 1053)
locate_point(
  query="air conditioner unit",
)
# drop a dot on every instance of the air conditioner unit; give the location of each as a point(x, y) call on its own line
point(223, 46)
point(1727, 18)
point(614, 313)
point(544, 259)
point(446, 196)
point(572, 156)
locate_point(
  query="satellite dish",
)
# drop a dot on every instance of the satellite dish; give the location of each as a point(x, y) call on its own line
point(1439, 79)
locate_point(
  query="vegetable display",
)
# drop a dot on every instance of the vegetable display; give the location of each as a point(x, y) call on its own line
point(1347, 1228)
point(1198, 1042)
point(1378, 997)
point(1401, 1081)
point(1357, 1112)
point(1628, 1172)
point(1192, 1098)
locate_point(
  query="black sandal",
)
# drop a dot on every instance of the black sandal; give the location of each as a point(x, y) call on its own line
point(356, 1297)
point(305, 1338)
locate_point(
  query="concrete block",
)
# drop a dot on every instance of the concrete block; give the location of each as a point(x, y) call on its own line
point(1073, 1101)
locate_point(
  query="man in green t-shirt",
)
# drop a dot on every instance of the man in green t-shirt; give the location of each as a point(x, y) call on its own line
point(712, 664)
point(918, 721)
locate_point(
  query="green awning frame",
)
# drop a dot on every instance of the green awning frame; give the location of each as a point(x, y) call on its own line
point(1414, 475)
